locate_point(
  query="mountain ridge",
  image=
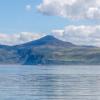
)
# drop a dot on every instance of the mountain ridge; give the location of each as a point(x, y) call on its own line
point(49, 50)
point(46, 40)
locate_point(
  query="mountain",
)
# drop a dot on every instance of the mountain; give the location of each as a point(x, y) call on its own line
point(46, 41)
point(49, 50)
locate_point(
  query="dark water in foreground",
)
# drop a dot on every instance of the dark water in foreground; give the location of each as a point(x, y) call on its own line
point(49, 82)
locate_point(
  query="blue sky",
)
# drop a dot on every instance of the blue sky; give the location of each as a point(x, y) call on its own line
point(15, 18)
point(76, 21)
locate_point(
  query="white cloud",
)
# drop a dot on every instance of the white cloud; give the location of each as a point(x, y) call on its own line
point(18, 38)
point(80, 35)
point(28, 7)
point(58, 33)
point(74, 9)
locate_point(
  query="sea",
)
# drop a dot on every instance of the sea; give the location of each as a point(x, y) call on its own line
point(19, 82)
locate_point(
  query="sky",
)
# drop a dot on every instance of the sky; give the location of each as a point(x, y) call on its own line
point(76, 21)
point(22, 15)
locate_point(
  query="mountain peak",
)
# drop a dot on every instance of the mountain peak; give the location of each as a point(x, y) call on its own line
point(47, 40)
point(49, 37)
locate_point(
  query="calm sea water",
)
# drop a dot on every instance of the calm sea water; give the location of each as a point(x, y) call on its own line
point(49, 82)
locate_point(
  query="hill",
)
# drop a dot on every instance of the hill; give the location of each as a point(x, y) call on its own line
point(49, 50)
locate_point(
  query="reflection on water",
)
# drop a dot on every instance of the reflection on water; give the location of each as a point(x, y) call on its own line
point(49, 83)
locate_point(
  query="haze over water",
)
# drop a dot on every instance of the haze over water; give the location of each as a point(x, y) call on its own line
point(49, 82)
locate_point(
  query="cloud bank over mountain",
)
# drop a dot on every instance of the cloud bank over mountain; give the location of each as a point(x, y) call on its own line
point(74, 9)
point(81, 35)
point(18, 38)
